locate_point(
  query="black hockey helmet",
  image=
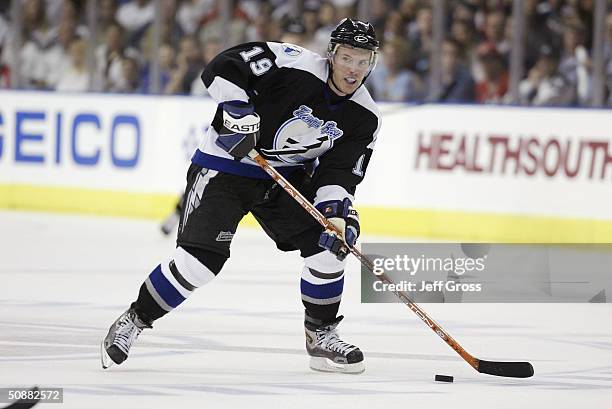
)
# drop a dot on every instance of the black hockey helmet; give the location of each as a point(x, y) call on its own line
point(354, 33)
point(357, 34)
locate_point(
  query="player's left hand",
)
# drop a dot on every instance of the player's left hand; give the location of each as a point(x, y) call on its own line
point(342, 215)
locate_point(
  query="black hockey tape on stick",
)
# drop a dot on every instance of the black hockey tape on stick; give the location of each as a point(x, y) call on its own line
point(507, 369)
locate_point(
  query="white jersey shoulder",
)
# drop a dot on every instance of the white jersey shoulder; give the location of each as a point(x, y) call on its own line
point(362, 97)
point(293, 56)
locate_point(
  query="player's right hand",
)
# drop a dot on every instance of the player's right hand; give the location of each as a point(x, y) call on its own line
point(346, 219)
point(240, 131)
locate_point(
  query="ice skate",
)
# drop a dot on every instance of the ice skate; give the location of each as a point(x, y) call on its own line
point(328, 352)
point(121, 335)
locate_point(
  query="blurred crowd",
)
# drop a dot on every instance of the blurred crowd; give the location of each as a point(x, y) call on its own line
point(475, 52)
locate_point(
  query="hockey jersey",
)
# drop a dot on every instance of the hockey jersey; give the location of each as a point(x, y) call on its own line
point(302, 120)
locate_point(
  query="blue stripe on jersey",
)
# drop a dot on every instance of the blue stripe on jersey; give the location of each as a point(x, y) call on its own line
point(323, 291)
point(234, 167)
point(165, 289)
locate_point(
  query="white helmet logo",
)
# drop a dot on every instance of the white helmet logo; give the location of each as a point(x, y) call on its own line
point(361, 39)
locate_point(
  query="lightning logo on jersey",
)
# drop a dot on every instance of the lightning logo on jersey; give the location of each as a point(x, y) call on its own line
point(303, 137)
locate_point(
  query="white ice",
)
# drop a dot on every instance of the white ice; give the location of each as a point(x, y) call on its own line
point(238, 342)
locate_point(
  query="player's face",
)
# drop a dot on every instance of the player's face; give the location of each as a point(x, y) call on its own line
point(350, 66)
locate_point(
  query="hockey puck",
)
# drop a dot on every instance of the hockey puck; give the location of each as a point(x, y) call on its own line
point(444, 378)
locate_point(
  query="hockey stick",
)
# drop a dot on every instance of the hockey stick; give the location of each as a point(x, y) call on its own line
point(508, 369)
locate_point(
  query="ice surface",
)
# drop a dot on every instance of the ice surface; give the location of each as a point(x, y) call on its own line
point(238, 342)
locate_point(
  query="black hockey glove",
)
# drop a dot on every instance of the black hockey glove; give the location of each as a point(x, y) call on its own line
point(342, 214)
point(240, 131)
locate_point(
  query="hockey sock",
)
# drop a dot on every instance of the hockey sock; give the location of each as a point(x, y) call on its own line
point(172, 282)
point(321, 285)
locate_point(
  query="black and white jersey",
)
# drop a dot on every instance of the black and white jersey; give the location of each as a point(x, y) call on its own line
point(302, 120)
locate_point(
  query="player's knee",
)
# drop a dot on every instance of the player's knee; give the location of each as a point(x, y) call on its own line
point(194, 267)
point(325, 263)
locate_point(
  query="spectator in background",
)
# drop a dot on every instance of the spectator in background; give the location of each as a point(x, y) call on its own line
point(166, 58)
point(327, 22)
point(5, 72)
point(233, 33)
point(192, 14)
point(537, 34)
point(378, 12)
point(54, 9)
point(167, 62)
point(544, 85)
point(209, 51)
point(250, 8)
point(408, 10)
point(171, 32)
point(38, 35)
point(464, 11)
point(262, 22)
point(394, 27)
point(575, 63)
point(420, 38)
point(457, 82)
point(463, 32)
point(294, 32)
point(110, 75)
point(608, 55)
point(107, 11)
point(57, 58)
point(310, 19)
point(345, 7)
point(585, 12)
point(72, 10)
point(494, 32)
point(608, 37)
point(189, 66)
point(552, 11)
point(135, 16)
point(392, 81)
point(131, 74)
point(75, 77)
point(494, 86)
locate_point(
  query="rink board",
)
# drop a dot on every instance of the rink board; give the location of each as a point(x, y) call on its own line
point(446, 172)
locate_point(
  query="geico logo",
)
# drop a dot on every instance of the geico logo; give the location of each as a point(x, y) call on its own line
point(241, 128)
point(85, 139)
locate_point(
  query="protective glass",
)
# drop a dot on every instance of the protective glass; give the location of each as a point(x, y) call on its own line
point(357, 61)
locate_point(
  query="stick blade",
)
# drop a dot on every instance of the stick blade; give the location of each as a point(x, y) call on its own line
point(507, 369)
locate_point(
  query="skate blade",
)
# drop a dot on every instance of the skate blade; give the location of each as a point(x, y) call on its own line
point(327, 365)
point(105, 359)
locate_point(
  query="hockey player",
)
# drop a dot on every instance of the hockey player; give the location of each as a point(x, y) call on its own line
point(299, 111)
